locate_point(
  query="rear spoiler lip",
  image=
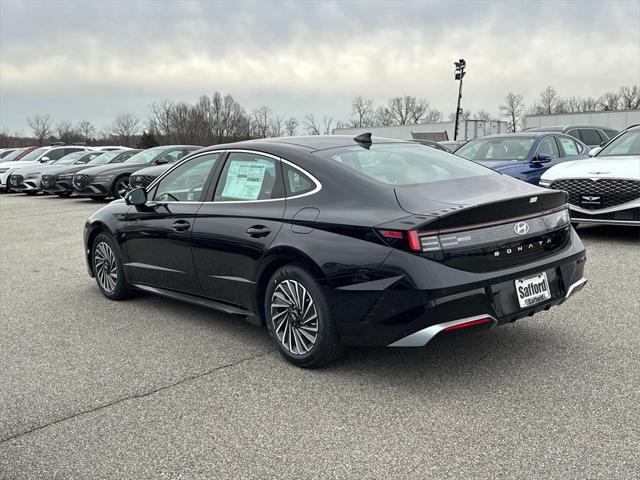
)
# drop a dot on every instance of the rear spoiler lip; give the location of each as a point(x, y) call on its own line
point(494, 223)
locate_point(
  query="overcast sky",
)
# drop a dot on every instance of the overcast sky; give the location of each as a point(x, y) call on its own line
point(93, 59)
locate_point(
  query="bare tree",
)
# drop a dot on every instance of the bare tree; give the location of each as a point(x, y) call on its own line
point(276, 125)
point(407, 109)
point(327, 122)
point(512, 108)
point(311, 124)
point(42, 127)
point(383, 117)
point(291, 126)
point(65, 132)
point(86, 130)
point(609, 101)
point(589, 104)
point(630, 97)
point(123, 128)
point(482, 115)
point(433, 115)
point(362, 108)
point(261, 119)
point(548, 100)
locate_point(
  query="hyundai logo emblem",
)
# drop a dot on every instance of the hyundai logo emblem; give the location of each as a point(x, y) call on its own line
point(521, 228)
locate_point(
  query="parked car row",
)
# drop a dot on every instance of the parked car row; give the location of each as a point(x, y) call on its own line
point(603, 183)
point(95, 172)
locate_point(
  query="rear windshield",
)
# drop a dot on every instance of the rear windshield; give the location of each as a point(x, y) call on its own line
point(625, 145)
point(404, 164)
point(511, 148)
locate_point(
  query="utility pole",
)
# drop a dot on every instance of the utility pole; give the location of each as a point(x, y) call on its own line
point(460, 66)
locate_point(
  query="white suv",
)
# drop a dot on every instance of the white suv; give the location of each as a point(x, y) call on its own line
point(606, 187)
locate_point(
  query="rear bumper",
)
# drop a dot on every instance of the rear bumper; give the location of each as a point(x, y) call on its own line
point(427, 297)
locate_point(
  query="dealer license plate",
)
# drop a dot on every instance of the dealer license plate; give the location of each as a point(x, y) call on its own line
point(533, 290)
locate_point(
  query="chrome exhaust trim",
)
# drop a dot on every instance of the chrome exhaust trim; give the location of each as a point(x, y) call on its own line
point(575, 287)
point(424, 336)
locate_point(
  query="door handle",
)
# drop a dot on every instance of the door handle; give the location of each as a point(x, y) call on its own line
point(258, 231)
point(180, 226)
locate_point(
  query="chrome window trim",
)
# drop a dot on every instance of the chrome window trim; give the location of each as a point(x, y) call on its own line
point(240, 150)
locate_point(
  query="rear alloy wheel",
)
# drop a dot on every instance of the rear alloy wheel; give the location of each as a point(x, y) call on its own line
point(120, 187)
point(298, 318)
point(108, 269)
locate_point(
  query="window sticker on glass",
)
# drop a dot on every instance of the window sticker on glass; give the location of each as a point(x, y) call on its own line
point(244, 180)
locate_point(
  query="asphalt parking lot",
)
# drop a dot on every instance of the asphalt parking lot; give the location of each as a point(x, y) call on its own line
point(151, 388)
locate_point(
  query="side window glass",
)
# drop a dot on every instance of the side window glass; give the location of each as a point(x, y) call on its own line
point(574, 134)
point(569, 146)
point(590, 136)
point(185, 183)
point(56, 154)
point(247, 177)
point(296, 182)
point(548, 147)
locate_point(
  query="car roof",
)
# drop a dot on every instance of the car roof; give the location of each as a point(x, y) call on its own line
point(525, 134)
point(311, 143)
point(561, 128)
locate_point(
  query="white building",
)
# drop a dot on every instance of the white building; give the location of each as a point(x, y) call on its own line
point(617, 119)
point(437, 131)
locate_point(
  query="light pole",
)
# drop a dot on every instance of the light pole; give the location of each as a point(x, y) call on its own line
point(460, 66)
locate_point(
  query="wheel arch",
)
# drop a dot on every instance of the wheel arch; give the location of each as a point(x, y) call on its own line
point(275, 259)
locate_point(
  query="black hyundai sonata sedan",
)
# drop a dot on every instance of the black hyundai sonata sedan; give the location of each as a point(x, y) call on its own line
point(332, 241)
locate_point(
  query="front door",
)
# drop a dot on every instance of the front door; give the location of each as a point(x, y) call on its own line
point(234, 229)
point(158, 234)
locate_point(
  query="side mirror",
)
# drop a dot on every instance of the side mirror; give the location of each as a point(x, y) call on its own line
point(162, 161)
point(594, 151)
point(137, 197)
point(44, 159)
point(542, 158)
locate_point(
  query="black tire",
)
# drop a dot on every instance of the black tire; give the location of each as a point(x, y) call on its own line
point(113, 289)
point(121, 184)
point(63, 194)
point(31, 192)
point(97, 199)
point(326, 346)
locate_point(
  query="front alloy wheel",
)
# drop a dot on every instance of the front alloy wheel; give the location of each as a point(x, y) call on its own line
point(298, 318)
point(121, 187)
point(107, 268)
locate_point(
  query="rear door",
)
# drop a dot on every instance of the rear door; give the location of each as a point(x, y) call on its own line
point(158, 234)
point(233, 230)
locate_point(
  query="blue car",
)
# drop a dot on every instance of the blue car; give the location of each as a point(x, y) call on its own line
point(524, 155)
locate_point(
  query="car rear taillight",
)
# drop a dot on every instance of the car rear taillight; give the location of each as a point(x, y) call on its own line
point(412, 240)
